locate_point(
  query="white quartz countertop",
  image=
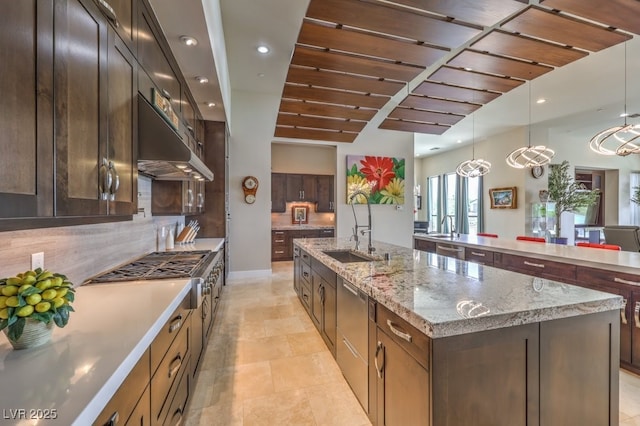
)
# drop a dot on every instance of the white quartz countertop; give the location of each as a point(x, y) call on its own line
point(443, 296)
point(78, 372)
point(619, 261)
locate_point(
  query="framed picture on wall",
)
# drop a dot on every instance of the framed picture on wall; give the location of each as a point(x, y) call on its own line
point(299, 214)
point(503, 198)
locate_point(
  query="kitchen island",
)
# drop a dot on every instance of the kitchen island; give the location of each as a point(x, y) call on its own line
point(481, 342)
point(70, 380)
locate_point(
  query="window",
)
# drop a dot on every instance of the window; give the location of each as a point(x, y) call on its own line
point(473, 195)
point(461, 198)
point(433, 192)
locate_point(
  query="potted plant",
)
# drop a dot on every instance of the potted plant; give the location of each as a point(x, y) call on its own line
point(30, 303)
point(635, 195)
point(567, 194)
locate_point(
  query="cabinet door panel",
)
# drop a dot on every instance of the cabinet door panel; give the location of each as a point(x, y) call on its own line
point(294, 187)
point(80, 85)
point(126, 13)
point(26, 157)
point(123, 124)
point(324, 194)
point(634, 322)
point(278, 192)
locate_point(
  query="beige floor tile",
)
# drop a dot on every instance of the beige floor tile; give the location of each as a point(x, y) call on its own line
point(283, 326)
point(304, 371)
point(629, 395)
point(334, 404)
point(633, 421)
point(242, 381)
point(306, 343)
point(263, 349)
point(227, 414)
point(283, 408)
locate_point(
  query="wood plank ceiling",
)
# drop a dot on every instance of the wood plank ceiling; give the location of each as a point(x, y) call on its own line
point(352, 56)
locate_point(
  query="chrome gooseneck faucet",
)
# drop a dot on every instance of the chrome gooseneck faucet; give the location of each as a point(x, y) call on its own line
point(451, 230)
point(370, 248)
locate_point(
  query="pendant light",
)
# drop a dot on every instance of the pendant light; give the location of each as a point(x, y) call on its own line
point(474, 167)
point(530, 156)
point(618, 140)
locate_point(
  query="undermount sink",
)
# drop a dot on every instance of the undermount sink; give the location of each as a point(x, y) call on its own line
point(348, 256)
point(439, 235)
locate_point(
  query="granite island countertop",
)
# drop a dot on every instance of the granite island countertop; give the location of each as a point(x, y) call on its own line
point(295, 227)
point(619, 261)
point(443, 296)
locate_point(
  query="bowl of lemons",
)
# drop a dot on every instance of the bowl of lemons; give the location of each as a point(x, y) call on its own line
point(31, 303)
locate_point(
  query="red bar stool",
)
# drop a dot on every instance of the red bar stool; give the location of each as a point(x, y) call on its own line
point(532, 239)
point(484, 234)
point(600, 246)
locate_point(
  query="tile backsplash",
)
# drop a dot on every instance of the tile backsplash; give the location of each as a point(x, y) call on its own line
point(85, 250)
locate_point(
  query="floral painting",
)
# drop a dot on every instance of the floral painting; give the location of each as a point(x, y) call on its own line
point(380, 179)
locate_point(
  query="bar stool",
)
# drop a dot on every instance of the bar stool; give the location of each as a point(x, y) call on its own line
point(531, 239)
point(599, 246)
point(484, 234)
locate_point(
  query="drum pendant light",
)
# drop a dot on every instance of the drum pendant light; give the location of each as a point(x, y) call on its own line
point(530, 156)
point(474, 167)
point(618, 140)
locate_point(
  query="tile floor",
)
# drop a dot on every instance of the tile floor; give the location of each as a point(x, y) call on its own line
point(265, 364)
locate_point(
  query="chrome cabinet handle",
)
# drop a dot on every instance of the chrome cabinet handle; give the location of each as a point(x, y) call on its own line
point(175, 324)
point(279, 241)
point(177, 414)
point(537, 265)
point(115, 184)
point(200, 200)
point(330, 205)
point(623, 312)
point(279, 252)
point(106, 179)
point(189, 197)
point(379, 368)
point(108, 11)
point(303, 195)
point(401, 334)
point(458, 250)
point(175, 365)
point(305, 274)
point(475, 253)
point(113, 420)
point(349, 287)
point(348, 345)
point(623, 281)
point(166, 94)
point(636, 314)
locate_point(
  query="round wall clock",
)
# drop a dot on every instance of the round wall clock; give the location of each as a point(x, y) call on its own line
point(250, 187)
point(537, 171)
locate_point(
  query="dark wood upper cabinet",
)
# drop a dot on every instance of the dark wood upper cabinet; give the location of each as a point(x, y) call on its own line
point(80, 81)
point(126, 17)
point(26, 109)
point(278, 192)
point(325, 194)
point(123, 126)
point(301, 187)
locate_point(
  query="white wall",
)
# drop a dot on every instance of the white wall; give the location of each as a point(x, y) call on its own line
point(250, 154)
point(305, 159)
point(389, 225)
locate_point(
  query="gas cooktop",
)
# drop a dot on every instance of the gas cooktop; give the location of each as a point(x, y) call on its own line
point(156, 266)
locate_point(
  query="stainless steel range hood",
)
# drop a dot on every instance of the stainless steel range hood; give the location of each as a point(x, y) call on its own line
point(161, 152)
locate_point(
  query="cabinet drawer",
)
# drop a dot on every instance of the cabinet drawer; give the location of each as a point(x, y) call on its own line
point(305, 294)
point(327, 274)
point(536, 267)
point(141, 415)
point(176, 413)
point(478, 256)
point(305, 257)
point(123, 402)
point(598, 277)
point(450, 250)
point(326, 233)
point(305, 273)
point(417, 344)
point(170, 369)
point(169, 331)
point(424, 245)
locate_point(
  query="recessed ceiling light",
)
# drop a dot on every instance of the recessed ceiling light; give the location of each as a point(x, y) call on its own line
point(624, 114)
point(458, 141)
point(260, 74)
point(541, 101)
point(189, 41)
point(263, 49)
point(211, 104)
point(468, 69)
point(202, 80)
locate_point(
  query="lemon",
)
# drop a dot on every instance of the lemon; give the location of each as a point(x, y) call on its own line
point(3, 301)
point(28, 279)
point(23, 287)
point(44, 275)
point(25, 311)
point(34, 299)
point(57, 302)
point(49, 294)
point(62, 291)
point(44, 284)
point(43, 306)
point(57, 281)
point(12, 301)
point(9, 290)
point(30, 273)
point(4, 313)
point(14, 281)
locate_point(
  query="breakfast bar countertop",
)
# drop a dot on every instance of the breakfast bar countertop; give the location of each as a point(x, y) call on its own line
point(295, 227)
point(619, 261)
point(443, 296)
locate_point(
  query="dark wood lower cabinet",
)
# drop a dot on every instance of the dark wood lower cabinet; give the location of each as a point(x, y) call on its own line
point(323, 303)
point(282, 241)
